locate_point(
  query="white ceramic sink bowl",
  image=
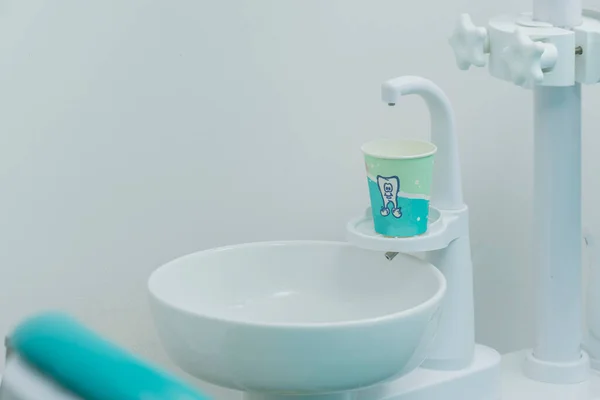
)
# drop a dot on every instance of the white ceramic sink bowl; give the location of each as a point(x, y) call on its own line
point(296, 317)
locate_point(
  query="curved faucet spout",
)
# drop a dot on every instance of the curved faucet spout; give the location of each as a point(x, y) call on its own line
point(447, 185)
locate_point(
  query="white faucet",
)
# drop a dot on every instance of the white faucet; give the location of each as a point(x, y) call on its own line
point(446, 243)
point(447, 186)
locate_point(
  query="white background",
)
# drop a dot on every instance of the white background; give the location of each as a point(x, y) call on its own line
point(134, 131)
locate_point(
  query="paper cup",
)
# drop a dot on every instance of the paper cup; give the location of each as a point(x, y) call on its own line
point(399, 173)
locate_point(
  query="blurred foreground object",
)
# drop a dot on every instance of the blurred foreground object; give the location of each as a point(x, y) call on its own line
point(53, 357)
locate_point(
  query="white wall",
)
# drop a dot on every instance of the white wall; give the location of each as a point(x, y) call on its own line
point(129, 129)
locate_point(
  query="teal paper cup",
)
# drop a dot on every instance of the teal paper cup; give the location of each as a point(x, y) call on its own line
point(399, 173)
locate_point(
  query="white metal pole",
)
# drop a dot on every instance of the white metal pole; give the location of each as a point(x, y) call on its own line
point(561, 13)
point(557, 223)
point(557, 217)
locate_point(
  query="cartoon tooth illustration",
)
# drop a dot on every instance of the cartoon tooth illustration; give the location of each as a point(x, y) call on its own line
point(389, 187)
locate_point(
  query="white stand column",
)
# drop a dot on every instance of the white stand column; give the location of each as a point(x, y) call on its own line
point(454, 343)
point(557, 357)
point(542, 53)
point(560, 13)
point(557, 203)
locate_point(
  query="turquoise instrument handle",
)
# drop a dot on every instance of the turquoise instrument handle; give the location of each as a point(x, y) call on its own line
point(90, 366)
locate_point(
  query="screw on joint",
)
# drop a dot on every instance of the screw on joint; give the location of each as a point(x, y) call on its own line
point(578, 50)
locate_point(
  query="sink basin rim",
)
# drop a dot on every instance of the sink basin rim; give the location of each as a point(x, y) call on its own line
point(430, 302)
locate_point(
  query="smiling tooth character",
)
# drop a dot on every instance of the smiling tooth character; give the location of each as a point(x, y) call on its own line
point(389, 187)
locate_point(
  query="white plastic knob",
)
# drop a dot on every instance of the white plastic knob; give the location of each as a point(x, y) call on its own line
point(528, 60)
point(470, 43)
